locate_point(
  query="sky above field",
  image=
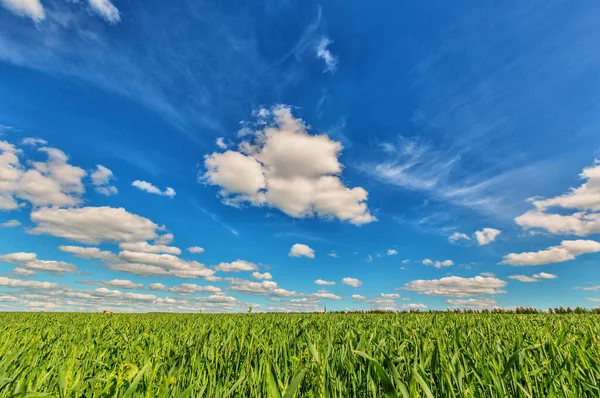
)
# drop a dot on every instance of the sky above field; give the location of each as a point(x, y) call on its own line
point(296, 155)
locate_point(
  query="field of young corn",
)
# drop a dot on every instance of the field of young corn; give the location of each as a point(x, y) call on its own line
point(316, 355)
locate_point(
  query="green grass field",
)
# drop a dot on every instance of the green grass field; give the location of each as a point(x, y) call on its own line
point(316, 355)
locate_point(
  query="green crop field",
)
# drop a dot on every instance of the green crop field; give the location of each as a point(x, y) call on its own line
point(313, 355)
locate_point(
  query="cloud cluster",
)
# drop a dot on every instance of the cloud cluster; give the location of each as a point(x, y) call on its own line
point(438, 264)
point(567, 250)
point(101, 178)
point(534, 278)
point(583, 202)
point(264, 288)
point(483, 237)
point(29, 261)
point(285, 167)
point(455, 286)
point(351, 282)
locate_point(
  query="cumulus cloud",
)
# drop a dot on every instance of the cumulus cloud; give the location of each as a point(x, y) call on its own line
point(11, 224)
point(87, 252)
point(583, 200)
point(159, 264)
point(287, 168)
point(237, 266)
point(301, 250)
point(31, 262)
point(473, 303)
point(26, 8)
point(324, 283)
point(116, 283)
point(323, 53)
point(455, 237)
point(93, 225)
point(31, 141)
point(487, 235)
point(150, 188)
point(221, 143)
point(324, 294)
point(534, 278)
point(567, 250)
point(51, 183)
point(392, 252)
point(195, 249)
point(455, 286)
point(101, 179)
point(148, 248)
point(264, 276)
point(8, 282)
point(438, 264)
point(23, 272)
point(264, 288)
point(105, 9)
point(351, 282)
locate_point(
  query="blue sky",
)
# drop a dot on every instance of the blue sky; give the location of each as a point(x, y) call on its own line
point(403, 156)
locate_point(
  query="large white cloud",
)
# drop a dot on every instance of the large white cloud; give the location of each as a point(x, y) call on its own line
point(301, 250)
point(585, 200)
point(167, 262)
point(31, 262)
point(455, 286)
point(27, 8)
point(237, 266)
point(567, 250)
point(93, 225)
point(287, 168)
point(148, 248)
point(487, 235)
point(8, 282)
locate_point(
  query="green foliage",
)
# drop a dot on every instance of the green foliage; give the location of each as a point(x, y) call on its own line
point(294, 355)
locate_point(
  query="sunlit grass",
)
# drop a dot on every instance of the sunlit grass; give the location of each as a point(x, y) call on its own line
point(317, 355)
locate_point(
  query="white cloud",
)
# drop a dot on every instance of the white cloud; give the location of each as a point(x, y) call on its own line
point(390, 295)
point(11, 224)
point(289, 169)
point(23, 272)
point(187, 289)
point(87, 252)
point(148, 187)
point(392, 252)
point(149, 262)
point(585, 199)
point(455, 286)
point(27, 284)
point(148, 248)
point(26, 8)
point(323, 52)
point(324, 294)
point(438, 264)
point(264, 288)
point(534, 278)
point(324, 283)
point(473, 303)
point(164, 239)
point(221, 143)
point(156, 286)
point(487, 235)
point(101, 179)
point(333, 254)
point(105, 9)
point(33, 141)
point(93, 225)
point(116, 283)
point(455, 237)
point(488, 274)
point(237, 266)
point(30, 261)
point(351, 282)
point(369, 258)
point(195, 249)
point(567, 250)
point(589, 288)
point(264, 276)
point(405, 261)
point(301, 250)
